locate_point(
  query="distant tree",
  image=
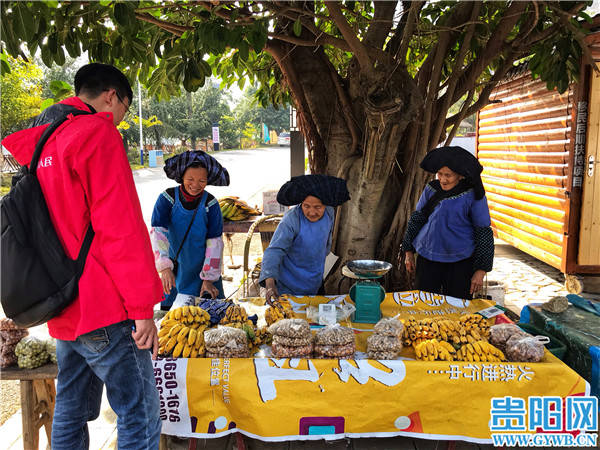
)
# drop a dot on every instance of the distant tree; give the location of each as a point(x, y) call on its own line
point(21, 94)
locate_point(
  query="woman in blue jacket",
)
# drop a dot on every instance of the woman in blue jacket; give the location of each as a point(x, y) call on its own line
point(187, 228)
point(450, 229)
point(294, 261)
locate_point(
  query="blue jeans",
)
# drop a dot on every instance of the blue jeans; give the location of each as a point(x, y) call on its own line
point(106, 356)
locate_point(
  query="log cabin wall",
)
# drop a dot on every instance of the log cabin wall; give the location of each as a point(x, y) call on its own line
point(524, 142)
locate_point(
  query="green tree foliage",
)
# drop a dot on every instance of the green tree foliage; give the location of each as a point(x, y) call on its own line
point(21, 94)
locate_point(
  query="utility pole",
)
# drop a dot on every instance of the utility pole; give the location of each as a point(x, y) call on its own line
point(141, 134)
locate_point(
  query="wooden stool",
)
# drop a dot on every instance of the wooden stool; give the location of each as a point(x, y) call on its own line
point(38, 396)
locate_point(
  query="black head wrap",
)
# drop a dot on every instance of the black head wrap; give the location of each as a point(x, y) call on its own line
point(178, 164)
point(458, 160)
point(330, 190)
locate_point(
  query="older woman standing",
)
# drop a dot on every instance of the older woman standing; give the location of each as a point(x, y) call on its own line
point(450, 230)
point(187, 228)
point(294, 261)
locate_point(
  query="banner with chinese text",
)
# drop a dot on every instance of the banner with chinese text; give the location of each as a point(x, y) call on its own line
point(289, 399)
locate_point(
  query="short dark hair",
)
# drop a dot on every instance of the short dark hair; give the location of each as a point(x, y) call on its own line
point(95, 78)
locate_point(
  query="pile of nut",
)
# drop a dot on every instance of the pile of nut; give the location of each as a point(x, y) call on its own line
point(226, 342)
point(291, 339)
point(518, 345)
point(32, 352)
point(10, 335)
point(334, 342)
point(386, 340)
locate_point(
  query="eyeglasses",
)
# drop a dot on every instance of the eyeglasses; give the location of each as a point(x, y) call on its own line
point(121, 100)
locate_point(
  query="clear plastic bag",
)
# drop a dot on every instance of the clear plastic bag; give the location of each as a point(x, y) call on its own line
point(225, 337)
point(389, 326)
point(526, 348)
point(342, 312)
point(31, 353)
point(382, 343)
point(284, 351)
point(334, 335)
point(335, 351)
point(295, 328)
point(501, 333)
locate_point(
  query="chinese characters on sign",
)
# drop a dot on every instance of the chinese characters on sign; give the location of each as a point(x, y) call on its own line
point(487, 372)
point(219, 376)
point(579, 157)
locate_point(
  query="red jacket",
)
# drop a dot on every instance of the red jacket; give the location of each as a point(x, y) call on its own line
point(85, 175)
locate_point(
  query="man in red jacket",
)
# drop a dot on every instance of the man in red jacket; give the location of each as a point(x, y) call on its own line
point(104, 336)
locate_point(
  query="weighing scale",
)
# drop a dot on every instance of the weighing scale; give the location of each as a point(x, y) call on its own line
point(367, 294)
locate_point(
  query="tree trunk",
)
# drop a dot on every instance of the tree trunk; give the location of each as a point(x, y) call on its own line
point(369, 126)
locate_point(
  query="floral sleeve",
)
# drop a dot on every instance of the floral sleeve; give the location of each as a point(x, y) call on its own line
point(211, 270)
point(160, 248)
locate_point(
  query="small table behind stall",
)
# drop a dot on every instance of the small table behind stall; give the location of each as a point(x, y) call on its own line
point(38, 396)
point(273, 399)
point(263, 225)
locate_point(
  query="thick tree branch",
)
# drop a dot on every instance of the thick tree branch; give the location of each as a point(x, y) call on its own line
point(177, 30)
point(409, 29)
point(494, 47)
point(460, 116)
point(319, 40)
point(360, 51)
point(382, 23)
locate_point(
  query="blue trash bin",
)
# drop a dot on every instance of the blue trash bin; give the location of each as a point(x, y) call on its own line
point(152, 158)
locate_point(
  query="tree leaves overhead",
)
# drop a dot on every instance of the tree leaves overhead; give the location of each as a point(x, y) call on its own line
point(139, 36)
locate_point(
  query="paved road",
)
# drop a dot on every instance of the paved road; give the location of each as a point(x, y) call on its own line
point(251, 172)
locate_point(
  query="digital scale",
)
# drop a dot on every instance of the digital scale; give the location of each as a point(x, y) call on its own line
point(367, 294)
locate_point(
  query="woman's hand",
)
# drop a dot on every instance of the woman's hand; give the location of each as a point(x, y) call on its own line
point(168, 280)
point(272, 292)
point(208, 286)
point(477, 281)
point(409, 262)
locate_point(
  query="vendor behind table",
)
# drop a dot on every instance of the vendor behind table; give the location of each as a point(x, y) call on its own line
point(295, 259)
point(450, 229)
point(187, 228)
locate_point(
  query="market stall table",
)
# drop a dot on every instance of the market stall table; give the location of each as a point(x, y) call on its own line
point(38, 396)
point(580, 331)
point(274, 399)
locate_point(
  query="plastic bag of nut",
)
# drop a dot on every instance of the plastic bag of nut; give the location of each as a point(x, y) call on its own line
point(501, 333)
point(294, 328)
point(343, 351)
point(225, 337)
point(10, 335)
point(334, 335)
point(389, 326)
point(526, 348)
point(286, 351)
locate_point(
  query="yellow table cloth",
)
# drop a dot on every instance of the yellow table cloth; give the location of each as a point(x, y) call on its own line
point(293, 399)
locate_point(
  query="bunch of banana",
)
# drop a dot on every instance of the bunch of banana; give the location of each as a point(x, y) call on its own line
point(434, 350)
point(416, 331)
point(476, 325)
point(233, 208)
point(182, 332)
point(276, 313)
point(182, 340)
point(256, 337)
point(187, 315)
point(234, 314)
point(480, 351)
point(451, 331)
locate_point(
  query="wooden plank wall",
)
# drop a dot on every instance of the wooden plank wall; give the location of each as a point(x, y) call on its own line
point(589, 245)
point(523, 144)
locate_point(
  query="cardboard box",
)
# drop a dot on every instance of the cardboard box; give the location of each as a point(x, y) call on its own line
point(270, 205)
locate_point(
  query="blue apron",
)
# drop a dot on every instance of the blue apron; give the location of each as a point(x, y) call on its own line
point(192, 254)
point(301, 270)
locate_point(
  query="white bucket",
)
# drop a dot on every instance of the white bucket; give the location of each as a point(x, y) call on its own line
point(495, 289)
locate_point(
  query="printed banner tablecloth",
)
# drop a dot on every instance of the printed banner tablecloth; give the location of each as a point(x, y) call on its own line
point(294, 399)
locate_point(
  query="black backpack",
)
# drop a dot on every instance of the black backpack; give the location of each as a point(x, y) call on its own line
point(38, 279)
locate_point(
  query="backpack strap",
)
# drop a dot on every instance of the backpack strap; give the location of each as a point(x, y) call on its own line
point(89, 234)
point(37, 153)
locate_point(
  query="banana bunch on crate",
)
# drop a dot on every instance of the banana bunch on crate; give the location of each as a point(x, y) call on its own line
point(235, 314)
point(282, 310)
point(181, 332)
point(479, 351)
point(434, 350)
point(233, 208)
point(476, 325)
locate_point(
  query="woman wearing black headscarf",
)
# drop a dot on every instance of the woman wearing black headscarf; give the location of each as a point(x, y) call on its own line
point(187, 228)
point(294, 261)
point(450, 229)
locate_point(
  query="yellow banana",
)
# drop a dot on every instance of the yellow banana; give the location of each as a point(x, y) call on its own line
point(170, 344)
point(175, 329)
point(187, 349)
point(183, 334)
point(192, 336)
point(178, 350)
